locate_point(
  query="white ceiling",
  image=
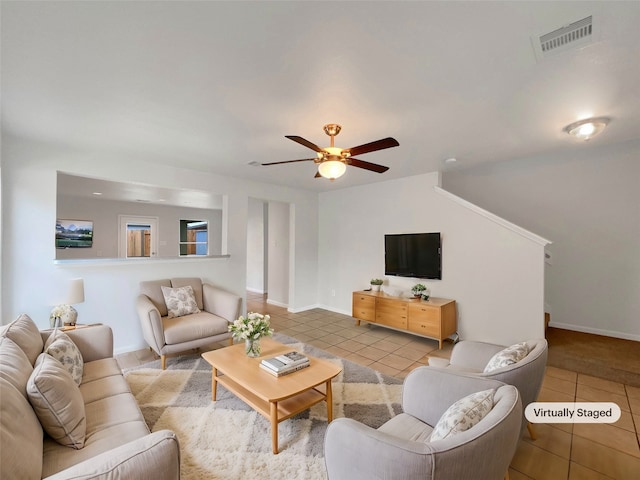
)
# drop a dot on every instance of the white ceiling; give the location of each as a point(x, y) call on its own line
point(212, 86)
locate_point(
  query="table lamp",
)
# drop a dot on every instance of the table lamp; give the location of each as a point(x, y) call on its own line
point(65, 314)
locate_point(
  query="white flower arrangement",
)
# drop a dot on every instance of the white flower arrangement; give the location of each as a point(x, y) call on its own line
point(66, 314)
point(60, 311)
point(251, 327)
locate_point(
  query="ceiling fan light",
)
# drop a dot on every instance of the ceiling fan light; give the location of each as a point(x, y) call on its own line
point(335, 151)
point(588, 128)
point(332, 169)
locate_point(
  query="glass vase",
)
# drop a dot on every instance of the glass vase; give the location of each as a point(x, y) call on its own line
point(252, 347)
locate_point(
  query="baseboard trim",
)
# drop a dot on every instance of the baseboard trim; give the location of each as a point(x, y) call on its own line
point(129, 348)
point(335, 310)
point(255, 290)
point(317, 305)
point(277, 304)
point(302, 309)
point(596, 331)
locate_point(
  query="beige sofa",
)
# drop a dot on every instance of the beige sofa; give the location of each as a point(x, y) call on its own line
point(167, 335)
point(117, 443)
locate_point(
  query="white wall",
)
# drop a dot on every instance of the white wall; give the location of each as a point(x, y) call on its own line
point(29, 275)
point(256, 247)
point(588, 202)
point(278, 254)
point(494, 273)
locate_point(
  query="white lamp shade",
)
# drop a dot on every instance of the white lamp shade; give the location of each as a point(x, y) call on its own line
point(332, 169)
point(76, 292)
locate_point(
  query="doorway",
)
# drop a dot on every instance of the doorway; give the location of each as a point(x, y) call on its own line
point(138, 236)
point(268, 249)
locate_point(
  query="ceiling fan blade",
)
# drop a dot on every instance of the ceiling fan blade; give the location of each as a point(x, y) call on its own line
point(374, 146)
point(374, 167)
point(305, 142)
point(290, 161)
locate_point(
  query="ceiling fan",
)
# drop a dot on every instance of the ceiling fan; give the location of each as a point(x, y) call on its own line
point(332, 161)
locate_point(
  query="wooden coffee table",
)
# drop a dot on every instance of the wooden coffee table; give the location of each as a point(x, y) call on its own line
point(277, 398)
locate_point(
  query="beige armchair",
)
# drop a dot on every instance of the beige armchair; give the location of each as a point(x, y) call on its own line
point(167, 335)
point(403, 448)
point(526, 375)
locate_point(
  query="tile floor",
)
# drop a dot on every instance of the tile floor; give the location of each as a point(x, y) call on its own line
point(561, 451)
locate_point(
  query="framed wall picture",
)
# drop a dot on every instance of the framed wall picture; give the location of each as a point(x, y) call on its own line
point(74, 233)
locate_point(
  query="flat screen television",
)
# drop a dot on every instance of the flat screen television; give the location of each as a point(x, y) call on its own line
point(416, 255)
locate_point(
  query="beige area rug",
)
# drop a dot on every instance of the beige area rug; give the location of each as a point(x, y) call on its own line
point(227, 440)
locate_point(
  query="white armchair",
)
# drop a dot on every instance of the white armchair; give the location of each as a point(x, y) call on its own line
point(402, 448)
point(526, 375)
point(167, 335)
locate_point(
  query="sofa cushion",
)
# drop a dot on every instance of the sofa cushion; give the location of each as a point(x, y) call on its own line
point(407, 427)
point(113, 418)
point(195, 283)
point(24, 332)
point(62, 348)
point(194, 327)
point(507, 356)
point(180, 301)
point(102, 368)
point(20, 436)
point(463, 414)
point(14, 365)
point(152, 290)
point(57, 401)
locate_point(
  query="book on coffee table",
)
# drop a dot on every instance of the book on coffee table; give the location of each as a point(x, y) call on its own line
point(292, 358)
point(285, 371)
point(285, 361)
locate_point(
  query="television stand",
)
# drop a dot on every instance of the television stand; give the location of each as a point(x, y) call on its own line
point(434, 318)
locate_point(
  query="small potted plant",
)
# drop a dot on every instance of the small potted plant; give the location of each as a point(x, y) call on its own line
point(417, 290)
point(375, 284)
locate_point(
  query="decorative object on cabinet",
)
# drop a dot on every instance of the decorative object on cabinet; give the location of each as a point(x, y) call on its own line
point(418, 289)
point(375, 284)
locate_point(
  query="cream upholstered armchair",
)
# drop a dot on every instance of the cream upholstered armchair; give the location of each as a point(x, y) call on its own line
point(405, 448)
point(192, 321)
point(525, 374)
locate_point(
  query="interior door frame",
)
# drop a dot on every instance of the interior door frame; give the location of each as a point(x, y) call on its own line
point(125, 220)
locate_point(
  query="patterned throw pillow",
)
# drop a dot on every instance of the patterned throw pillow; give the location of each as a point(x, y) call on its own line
point(180, 301)
point(62, 348)
point(508, 356)
point(57, 401)
point(463, 414)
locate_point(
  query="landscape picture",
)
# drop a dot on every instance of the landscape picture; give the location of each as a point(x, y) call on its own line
point(74, 234)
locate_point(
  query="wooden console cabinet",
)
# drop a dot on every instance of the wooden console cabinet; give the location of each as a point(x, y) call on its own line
point(435, 318)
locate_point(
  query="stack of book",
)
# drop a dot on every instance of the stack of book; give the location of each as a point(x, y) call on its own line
point(285, 363)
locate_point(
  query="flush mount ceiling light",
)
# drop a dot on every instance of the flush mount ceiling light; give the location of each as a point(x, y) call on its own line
point(587, 128)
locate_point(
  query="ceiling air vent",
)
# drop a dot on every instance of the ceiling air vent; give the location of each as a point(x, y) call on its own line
point(570, 36)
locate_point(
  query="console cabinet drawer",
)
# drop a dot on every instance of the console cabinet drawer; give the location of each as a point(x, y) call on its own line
point(391, 313)
point(424, 320)
point(425, 327)
point(364, 307)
